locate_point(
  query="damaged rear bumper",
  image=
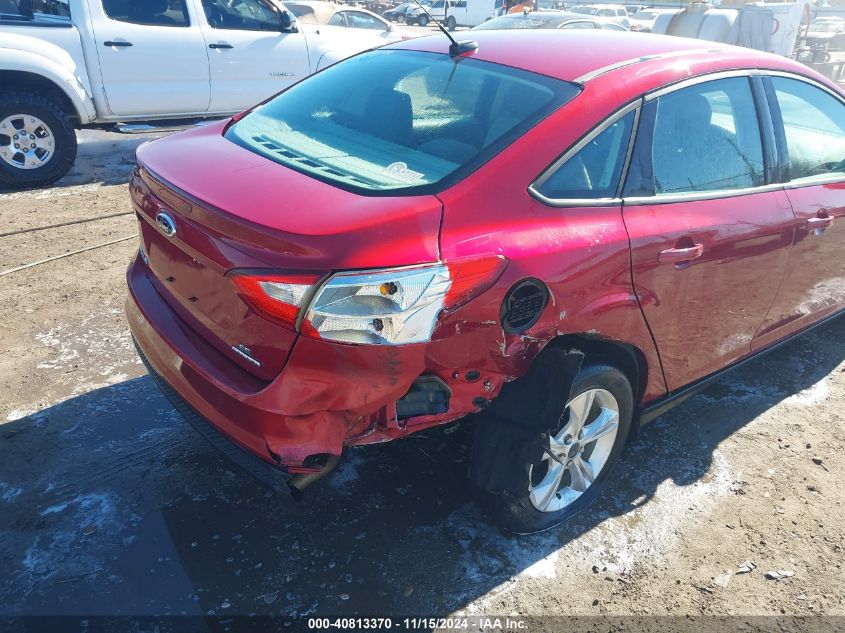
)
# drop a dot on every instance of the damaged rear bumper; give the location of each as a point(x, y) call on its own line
point(271, 476)
point(326, 396)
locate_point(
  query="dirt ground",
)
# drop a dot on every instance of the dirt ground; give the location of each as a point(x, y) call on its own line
point(110, 504)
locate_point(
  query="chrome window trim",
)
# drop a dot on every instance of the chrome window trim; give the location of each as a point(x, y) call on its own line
point(579, 145)
point(703, 79)
point(697, 196)
point(819, 180)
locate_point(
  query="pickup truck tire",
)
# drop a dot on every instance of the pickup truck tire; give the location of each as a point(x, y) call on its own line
point(450, 23)
point(423, 20)
point(47, 126)
point(611, 397)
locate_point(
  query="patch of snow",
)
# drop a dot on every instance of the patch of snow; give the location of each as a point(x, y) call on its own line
point(811, 396)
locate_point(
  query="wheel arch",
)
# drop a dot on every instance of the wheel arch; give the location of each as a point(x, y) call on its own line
point(66, 91)
point(629, 359)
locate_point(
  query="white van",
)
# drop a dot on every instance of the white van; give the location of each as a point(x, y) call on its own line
point(454, 13)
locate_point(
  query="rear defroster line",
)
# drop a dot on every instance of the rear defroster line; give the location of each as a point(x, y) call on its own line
point(77, 252)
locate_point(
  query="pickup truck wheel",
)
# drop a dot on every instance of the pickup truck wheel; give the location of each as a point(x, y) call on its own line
point(37, 140)
point(581, 451)
point(423, 20)
point(450, 23)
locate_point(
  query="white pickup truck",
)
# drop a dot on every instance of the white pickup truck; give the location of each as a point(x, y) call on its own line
point(67, 64)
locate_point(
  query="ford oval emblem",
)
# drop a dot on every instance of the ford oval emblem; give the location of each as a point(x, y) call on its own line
point(166, 224)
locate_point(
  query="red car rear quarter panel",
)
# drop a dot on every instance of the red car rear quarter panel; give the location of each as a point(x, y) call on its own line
point(582, 254)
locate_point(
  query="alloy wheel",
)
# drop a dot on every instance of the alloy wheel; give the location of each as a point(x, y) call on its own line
point(577, 453)
point(26, 142)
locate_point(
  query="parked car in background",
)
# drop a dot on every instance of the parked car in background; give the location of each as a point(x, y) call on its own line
point(644, 19)
point(352, 18)
point(651, 218)
point(397, 13)
point(549, 20)
point(551, 5)
point(100, 62)
point(324, 17)
point(823, 30)
point(613, 11)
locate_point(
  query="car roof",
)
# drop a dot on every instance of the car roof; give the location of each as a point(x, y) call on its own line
point(572, 55)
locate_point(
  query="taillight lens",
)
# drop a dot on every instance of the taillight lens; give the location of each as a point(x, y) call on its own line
point(280, 297)
point(471, 277)
point(387, 307)
point(394, 306)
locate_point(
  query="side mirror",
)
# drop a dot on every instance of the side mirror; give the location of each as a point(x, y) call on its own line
point(287, 24)
point(390, 27)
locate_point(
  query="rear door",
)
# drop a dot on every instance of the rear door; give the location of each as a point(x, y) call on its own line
point(810, 121)
point(152, 57)
point(249, 56)
point(710, 238)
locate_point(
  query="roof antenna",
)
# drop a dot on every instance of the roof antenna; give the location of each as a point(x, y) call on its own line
point(455, 48)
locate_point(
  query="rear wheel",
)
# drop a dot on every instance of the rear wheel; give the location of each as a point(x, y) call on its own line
point(400, 19)
point(580, 452)
point(37, 140)
point(423, 20)
point(450, 23)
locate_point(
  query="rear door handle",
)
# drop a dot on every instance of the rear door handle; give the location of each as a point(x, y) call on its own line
point(119, 44)
point(220, 46)
point(819, 224)
point(680, 255)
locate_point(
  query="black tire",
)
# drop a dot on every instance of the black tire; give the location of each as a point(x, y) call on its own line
point(516, 513)
point(423, 20)
point(450, 23)
point(400, 19)
point(51, 113)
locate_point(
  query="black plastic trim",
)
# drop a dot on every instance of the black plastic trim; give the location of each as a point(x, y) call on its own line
point(37, 25)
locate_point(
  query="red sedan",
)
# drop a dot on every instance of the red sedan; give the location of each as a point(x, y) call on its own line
point(563, 232)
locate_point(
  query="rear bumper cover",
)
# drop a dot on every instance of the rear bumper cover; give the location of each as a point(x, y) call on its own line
point(271, 476)
point(326, 396)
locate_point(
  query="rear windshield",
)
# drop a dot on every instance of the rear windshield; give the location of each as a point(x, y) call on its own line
point(399, 121)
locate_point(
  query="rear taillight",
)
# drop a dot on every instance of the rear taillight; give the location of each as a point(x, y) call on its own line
point(383, 307)
point(279, 297)
point(471, 277)
point(394, 306)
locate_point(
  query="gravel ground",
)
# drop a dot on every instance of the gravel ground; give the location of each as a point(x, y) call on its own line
point(110, 504)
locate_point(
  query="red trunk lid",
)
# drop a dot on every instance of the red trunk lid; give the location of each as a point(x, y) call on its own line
point(233, 209)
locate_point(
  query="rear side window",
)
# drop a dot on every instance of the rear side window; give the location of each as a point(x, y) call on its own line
point(243, 15)
point(148, 12)
point(420, 122)
point(814, 129)
point(594, 171)
point(359, 20)
point(707, 138)
point(39, 11)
